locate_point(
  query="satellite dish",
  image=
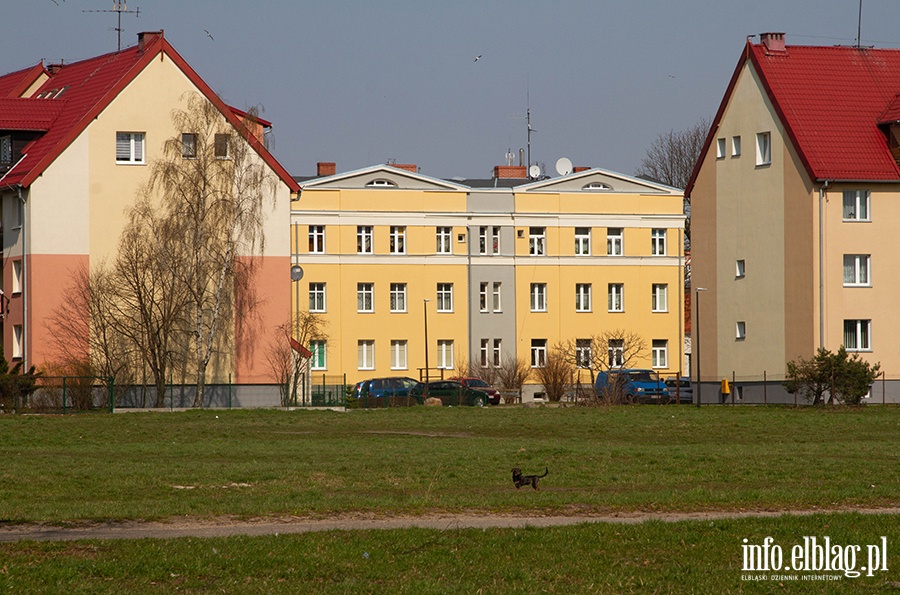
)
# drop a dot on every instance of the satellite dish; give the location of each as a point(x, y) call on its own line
point(296, 272)
point(564, 166)
point(534, 171)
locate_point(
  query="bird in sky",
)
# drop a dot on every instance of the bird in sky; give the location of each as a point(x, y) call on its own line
point(208, 34)
point(477, 58)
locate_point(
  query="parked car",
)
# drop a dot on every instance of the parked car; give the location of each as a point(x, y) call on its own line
point(636, 385)
point(479, 384)
point(450, 392)
point(680, 389)
point(377, 388)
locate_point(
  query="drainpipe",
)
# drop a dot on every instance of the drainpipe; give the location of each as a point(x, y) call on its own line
point(822, 189)
point(25, 281)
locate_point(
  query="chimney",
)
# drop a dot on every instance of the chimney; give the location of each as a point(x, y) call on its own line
point(774, 42)
point(579, 168)
point(410, 167)
point(326, 168)
point(145, 38)
point(510, 171)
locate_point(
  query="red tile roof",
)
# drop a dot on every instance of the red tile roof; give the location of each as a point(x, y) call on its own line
point(831, 101)
point(87, 87)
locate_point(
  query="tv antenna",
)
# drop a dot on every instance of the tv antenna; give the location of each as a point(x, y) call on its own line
point(859, 26)
point(119, 8)
point(527, 119)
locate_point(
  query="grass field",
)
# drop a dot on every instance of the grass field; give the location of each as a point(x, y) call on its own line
point(420, 460)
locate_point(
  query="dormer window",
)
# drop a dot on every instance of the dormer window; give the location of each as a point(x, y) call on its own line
point(593, 186)
point(381, 183)
point(5, 150)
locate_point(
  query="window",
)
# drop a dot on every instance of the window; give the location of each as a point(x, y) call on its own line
point(856, 205)
point(317, 361)
point(485, 348)
point(399, 360)
point(857, 270)
point(364, 239)
point(222, 146)
point(582, 241)
point(381, 183)
point(5, 150)
point(495, 298)
point(538, 353)
point(317, 239)
point(445, 297)
point(130, 147)
point(659, 300)
point(398, 297)
point(317, 297)
point(495, 240)
point(188, 145)
point(764, 148)
point(538, 297)
point(365, 297)
point(616, 297)
point(483, 297)
point(858, 335)
point(660, 353)
point(582, 297)
point(594, 186)
point(735, 146)
point(17, 276)
point(614, 241)
point(497, 349)
point(720, 148)
point(740, 269)
point(740, 332)
point(444, 235)
point(616, 353)
point(398, 239)
point(537, 241)
point(17, 341)
point(365, 355)
point(583, 353)
point(658, 242)
point(445, 354)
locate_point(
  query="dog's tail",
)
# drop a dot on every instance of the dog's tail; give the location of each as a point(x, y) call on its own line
point(546, 471)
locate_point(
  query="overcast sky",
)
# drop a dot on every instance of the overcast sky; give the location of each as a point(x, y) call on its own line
point(361, 82)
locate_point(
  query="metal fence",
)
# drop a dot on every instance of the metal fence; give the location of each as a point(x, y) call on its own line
point(64, 394)
point(768, 389)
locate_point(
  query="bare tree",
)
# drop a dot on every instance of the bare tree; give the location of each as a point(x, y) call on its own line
point(604, 353)
point(557, 373)
point(672, 157)
point(212, 190)
point(513, 373)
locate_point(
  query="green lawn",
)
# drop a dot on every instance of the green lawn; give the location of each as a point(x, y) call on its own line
point(62, 469)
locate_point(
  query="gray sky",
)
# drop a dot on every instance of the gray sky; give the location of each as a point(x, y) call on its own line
point(361, 82)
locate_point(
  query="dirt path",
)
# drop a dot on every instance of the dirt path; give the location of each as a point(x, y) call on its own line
point(224, 527)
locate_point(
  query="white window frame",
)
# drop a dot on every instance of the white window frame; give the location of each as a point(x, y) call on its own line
point(317, 239)
point(858, 335)
point(398, 239)
point(445, 297)
point(445, 359)
point(658, 243)
point(538, 297)
point(398, 297)
point(17, 276)
point(319, 358)
point(616, 294)
point(659, 298)
point(444, 240)
point(18, 341)
point(582, 241)
point(131, 148)
point(740, 330)
point(736, 146)
point(763, 148)
point(189, 145)
point(538, 353)
point(496, 304)
point(583, 301)
point(484, 352)
point(615, 353)
point(583, 353)
point(365, 354)
point(365, 239)
point(365, 298)
point(497, 353)
point(483, 239)
point(856, 205)
point(615, 241)
point(720, 148)
point(859, 267)
point(318, 297)
point(659, 353)
point(740, 268)
point(483, 297)
point(495, 239)
point(537, 241)
point(399, 354)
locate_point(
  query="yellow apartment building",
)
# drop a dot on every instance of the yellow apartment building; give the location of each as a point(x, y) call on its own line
point(488, 269)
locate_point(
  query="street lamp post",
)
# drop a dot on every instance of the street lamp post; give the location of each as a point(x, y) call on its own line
point(697, 310)
point(425, 309)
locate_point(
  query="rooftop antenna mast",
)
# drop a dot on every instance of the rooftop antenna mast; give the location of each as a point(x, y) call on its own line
point(119, 8)
point(859, 26)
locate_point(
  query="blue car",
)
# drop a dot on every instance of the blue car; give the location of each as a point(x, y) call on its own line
point(394, 386)
point(632, 386)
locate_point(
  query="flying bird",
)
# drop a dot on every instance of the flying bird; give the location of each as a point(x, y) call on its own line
point(477, 58)
point(208, 34)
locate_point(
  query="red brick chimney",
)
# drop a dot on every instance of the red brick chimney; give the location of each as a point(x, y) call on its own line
point(147, 37)
point(410, 167)
point(774, 42)
point(579, 168)
point(510, 171)
point(326, 168)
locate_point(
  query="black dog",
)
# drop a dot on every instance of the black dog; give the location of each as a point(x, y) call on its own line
point(523, 480)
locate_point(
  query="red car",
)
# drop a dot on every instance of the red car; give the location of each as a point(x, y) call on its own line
point(479, 384)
